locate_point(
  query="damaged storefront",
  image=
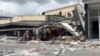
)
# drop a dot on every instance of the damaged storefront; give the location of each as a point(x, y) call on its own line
point(92, 20)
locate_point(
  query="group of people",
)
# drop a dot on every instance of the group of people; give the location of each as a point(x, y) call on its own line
point(43, 34)
point(47, 33)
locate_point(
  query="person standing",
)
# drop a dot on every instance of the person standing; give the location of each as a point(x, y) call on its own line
point(37, 33)
point(49, 33)
point(25, 37)
point(18, 33)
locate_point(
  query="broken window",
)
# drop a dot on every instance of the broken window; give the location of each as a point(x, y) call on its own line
point(60, 13)
point(69, 14)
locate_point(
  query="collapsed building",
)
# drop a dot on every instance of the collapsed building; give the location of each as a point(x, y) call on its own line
point(74, 15)
point(69, 17)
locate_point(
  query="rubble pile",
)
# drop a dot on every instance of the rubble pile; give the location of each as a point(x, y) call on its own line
point(45, 48)
point(41, 48)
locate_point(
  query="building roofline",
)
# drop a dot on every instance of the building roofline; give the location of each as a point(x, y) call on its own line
point(5, 17)
point(64, 7)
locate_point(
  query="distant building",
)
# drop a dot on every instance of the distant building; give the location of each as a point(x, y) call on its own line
point(69, 12)
point(92, 18)
point(66, 11)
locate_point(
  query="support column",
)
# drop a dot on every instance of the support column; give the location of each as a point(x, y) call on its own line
point(99, 26)
point(87, 35)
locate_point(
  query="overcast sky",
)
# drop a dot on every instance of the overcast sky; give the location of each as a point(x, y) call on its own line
point(31, 7)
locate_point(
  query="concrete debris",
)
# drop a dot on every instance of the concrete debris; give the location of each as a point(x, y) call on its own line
point(33, 42)
point(74, 43)
point(44, 49)
point(72, 38)
point(67, 38)
point(72, 49)
point(82, 39)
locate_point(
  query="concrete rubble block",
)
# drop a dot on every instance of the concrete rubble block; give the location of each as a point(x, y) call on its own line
point(82, 39)
point(72, 49)
point(67, 38)
point(50, 50)
point(76, 38)
point(82, 43)
point(91, 46)
point(99, 47)
point(74, 43)
point(72, 38)
point(76, 47)
point(33, 42)
point(1, 40)
point(96, 42)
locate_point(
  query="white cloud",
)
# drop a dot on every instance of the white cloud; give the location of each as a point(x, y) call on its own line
point(29, 7)
point(9, 8)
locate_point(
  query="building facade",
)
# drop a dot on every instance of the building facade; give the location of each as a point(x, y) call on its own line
point(92, 18)
point(66, 11)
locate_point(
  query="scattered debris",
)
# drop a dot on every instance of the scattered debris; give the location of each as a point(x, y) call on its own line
point(45, 48)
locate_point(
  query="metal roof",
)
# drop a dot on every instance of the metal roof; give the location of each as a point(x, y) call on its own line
point(25, 23)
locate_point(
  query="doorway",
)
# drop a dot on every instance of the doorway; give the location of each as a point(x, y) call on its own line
point(95, 30)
